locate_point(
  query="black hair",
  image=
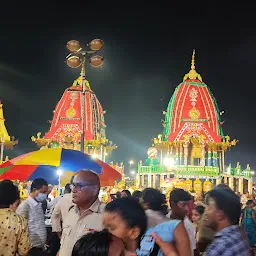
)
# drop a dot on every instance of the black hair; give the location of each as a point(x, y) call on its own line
point(131, 212)
point(38, 184)
point(9, 193)
point(228, 202)
point(137, 195)
point(118, 194)
point(154, 199)
point(249, 202)
point(200, 209)
point(127, 192)
point(67, 188)
point(222, 186)
point(93, 244)
point(178, 195)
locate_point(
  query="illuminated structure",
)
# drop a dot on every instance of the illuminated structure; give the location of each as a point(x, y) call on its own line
point(5, 140)
point(78, 120)
point(193, 144)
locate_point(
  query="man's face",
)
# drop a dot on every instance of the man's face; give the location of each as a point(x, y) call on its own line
point(43, 190)
point(83, 189)
point(181, 208)
point(123, 194)
point(210, 216)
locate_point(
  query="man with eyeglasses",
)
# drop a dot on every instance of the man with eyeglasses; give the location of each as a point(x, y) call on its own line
point(86, 215)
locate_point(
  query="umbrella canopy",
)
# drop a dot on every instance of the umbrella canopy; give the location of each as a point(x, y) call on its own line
point(21, 169)
point(66, 159)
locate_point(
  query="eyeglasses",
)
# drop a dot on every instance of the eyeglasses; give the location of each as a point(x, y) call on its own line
point(79, 186)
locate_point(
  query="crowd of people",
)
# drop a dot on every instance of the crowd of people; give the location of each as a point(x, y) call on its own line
point(77, 223)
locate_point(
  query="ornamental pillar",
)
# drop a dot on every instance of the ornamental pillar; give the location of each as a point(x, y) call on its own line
point(138, 180)
point(161, 180)
point(143, 180)
point(154, 181)
point(209, 157)
point(149, 181)
point(250, 184)
point(231, 182)
point(181, 155)
point(241, 185)
point(185, 154)
point(202, 160)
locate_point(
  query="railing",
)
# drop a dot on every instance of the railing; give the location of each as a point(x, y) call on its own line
point(192, 170)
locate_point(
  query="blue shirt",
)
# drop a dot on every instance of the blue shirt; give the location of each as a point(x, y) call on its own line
point(229, 242)
point(164, 230)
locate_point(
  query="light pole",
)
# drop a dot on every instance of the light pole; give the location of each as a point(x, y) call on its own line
point(78, 57)
point(59, 173)
point(131, 163)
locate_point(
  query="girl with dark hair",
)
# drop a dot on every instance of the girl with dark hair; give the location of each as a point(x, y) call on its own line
point(197, 215)
point(98, 244)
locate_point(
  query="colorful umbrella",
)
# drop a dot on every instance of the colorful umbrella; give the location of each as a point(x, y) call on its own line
point(65, 159)
point(45, 163)
point(21, 169)
point(108, 176)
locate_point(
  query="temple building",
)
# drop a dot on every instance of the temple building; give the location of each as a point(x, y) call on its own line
point(192, 145)
point(66, 125)
point(6, 141)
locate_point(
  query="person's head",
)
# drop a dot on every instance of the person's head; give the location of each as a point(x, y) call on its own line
point(100, 243)
point(223, 209)
point(67, 189)
point(9, 194)
point(250, 204)
point(85, 187)
point(24, 186)
point(39, 190)
point(179, 202)
point(137, 194)
point(152, 199)
point(118, 194)
point(126, 193)
point(126, 219)
point(222, 186)
point(197, 213)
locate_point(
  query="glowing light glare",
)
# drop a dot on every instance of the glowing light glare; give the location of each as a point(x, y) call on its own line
point(59, 172)
point(133, 172)
point(169, 162)
point(94, 156)
point(131, 162)
point(252, 172)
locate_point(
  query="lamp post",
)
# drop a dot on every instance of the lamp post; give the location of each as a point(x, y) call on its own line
point(79, 57)
point(59, 173)
point(131, 163)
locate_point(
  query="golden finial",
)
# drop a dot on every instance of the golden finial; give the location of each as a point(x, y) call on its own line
point(192, 73)
point(82, 73)
point(193, 67)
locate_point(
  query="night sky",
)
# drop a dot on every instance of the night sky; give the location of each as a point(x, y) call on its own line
point(147, 52)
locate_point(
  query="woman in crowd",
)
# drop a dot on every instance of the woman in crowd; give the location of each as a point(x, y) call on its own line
point(248, 222)
point(197, 214)
point(14, 236)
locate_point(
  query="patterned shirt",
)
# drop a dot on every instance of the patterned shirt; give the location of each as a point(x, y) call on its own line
point(14, 237)
point(229, 241)
point(33, 212)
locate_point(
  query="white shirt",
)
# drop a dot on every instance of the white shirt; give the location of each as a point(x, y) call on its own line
point(33, 212)
point(191, 233)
